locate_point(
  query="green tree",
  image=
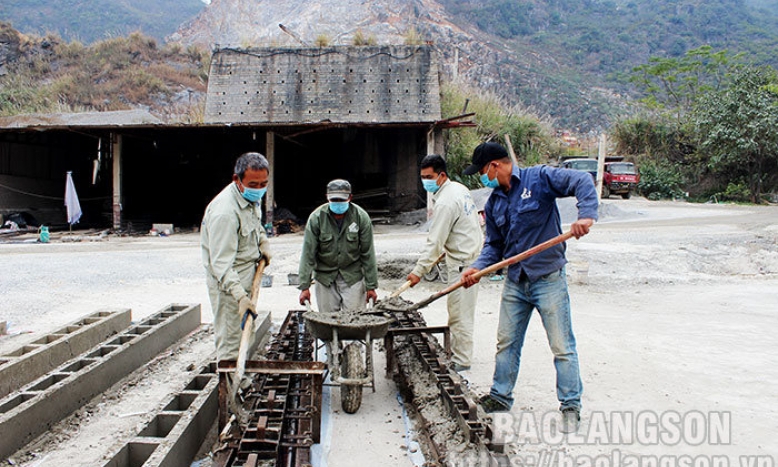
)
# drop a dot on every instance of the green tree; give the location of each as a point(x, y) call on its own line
point(737, 128)
point(674, 84)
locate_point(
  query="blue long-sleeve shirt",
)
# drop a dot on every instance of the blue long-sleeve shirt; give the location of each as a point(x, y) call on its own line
point(527, 215)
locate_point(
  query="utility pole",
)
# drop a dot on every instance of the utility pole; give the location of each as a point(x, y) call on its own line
point(601, 163)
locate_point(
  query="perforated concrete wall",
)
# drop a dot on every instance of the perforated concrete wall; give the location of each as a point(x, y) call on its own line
point(386, 84)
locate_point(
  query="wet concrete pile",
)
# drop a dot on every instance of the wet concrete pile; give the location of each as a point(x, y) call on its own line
point(395, 267)
point(346, 317)
point(394, 304)
point(442, 440)
point(447, 435)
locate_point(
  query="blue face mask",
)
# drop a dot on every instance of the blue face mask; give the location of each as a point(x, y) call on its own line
point(430, 185)
point(338, 207)
point(489, 182)
point(253, 195)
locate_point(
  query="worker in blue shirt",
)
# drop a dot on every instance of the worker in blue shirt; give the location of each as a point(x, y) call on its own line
point(521, 212)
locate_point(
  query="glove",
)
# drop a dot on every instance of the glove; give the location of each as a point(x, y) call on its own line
point(245, 307)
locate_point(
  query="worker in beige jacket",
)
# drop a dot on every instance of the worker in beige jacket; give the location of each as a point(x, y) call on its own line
point(456, 231)
point(232, 241)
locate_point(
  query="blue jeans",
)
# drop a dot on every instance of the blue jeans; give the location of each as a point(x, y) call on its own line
point(549, 295)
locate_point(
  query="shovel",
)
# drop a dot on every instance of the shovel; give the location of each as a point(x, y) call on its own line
point(407, 284)
point(248, 330)
point(495, 267)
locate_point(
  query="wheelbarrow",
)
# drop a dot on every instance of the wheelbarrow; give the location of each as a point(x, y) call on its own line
point(350, 330)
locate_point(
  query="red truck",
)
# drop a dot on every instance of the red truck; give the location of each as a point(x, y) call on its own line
point(620, 178)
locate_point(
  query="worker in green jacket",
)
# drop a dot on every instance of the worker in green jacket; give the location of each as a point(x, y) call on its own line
point(338, 253)
point(232, 240)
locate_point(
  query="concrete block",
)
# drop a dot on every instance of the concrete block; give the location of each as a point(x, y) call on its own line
point(42, 403)
point(42, 355)
point(175, 434)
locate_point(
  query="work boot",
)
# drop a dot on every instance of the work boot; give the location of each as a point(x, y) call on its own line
point(491, 405)
point(571, 419)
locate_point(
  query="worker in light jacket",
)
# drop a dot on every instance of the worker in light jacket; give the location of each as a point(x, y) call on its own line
point(455, 230)
point(232, 240)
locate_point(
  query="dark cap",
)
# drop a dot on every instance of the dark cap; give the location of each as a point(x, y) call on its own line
point(338, 190)
point(483, 154)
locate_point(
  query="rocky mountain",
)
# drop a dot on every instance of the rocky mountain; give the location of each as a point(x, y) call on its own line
point(467, 53)
point(565, 59)
point(92, 20)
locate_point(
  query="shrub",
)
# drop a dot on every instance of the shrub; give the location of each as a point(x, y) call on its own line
point(529, 135)
point(412, 37)
point(660, 181)
point(735, 191)
point(361, 40)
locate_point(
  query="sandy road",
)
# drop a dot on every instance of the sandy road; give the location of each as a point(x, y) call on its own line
point(677, 318)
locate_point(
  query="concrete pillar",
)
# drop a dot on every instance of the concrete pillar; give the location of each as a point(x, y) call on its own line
point(431, 134)
point(116, 150)
point(270, 198)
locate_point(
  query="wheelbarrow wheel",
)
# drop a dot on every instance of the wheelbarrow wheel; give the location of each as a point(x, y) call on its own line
point(351, 367)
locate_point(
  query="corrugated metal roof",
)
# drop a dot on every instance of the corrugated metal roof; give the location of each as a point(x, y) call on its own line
point(119, 118)
point(373, 85)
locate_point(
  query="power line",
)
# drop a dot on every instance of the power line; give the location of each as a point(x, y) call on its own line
point(55, 198)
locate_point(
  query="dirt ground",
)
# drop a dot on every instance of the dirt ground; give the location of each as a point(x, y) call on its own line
point(674, 309)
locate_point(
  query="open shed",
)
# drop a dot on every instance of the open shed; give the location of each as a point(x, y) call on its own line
point(366, 114)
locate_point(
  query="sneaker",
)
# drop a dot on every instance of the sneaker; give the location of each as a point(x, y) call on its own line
point(571, 419)
point(460, 368)
point(490, 404)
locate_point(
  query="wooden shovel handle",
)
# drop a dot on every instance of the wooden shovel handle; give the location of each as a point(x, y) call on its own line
point(248, 329)
point(497, 266)
point(407, 284)
point(257, 282)
point(524, 254)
